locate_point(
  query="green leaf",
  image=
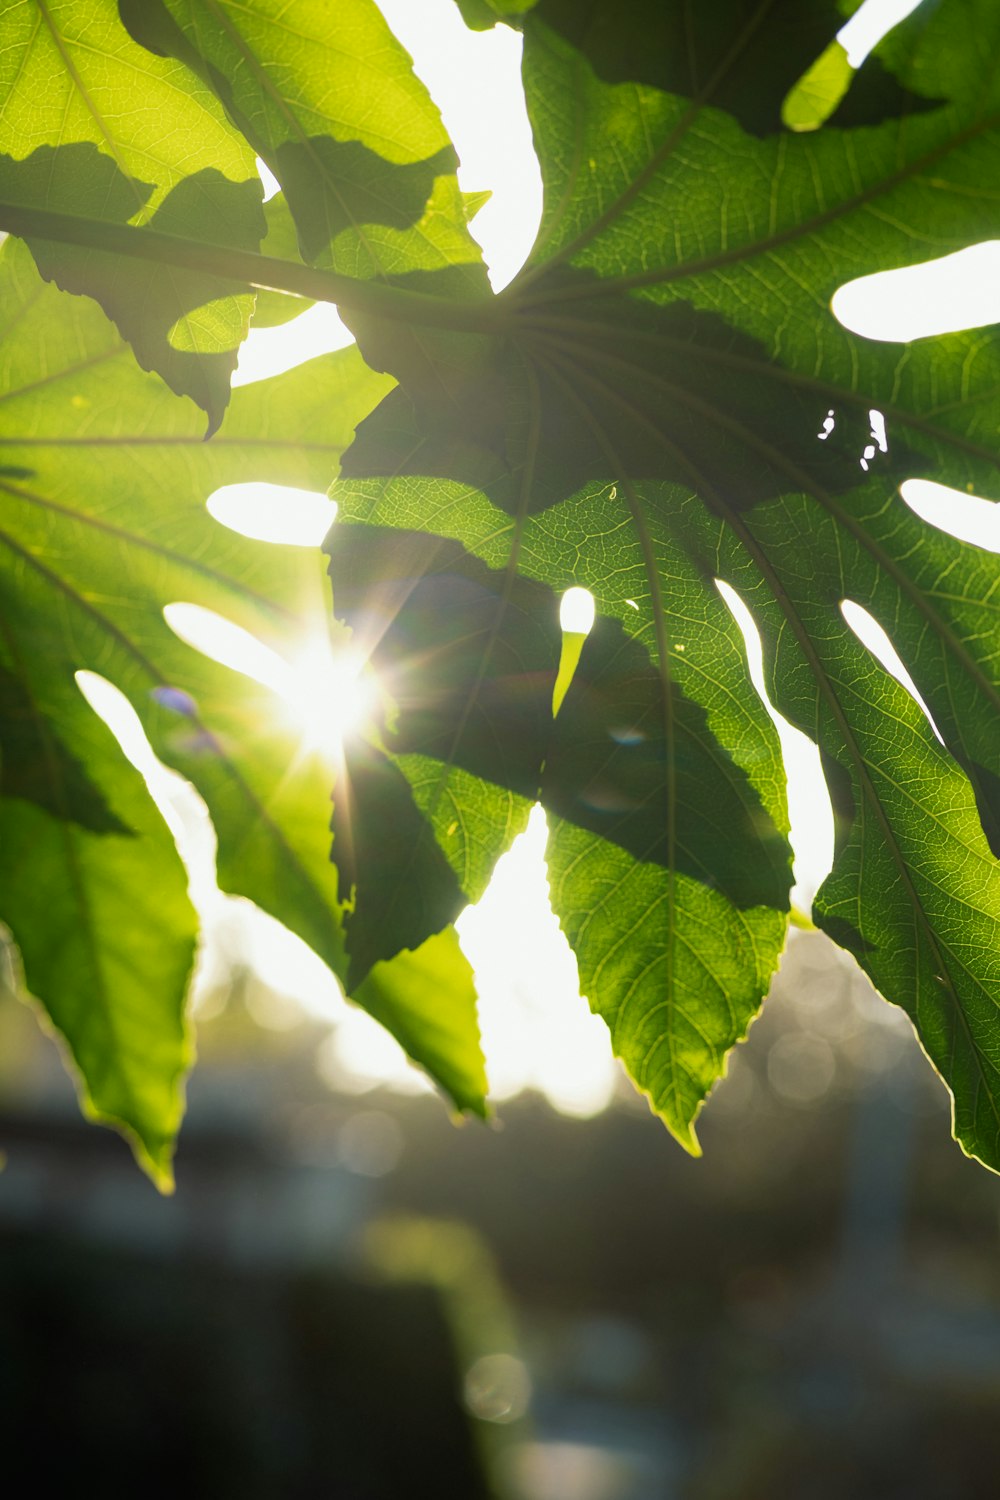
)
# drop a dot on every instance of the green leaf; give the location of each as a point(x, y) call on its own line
point(103, 481)
point(93, 890)
point(672, 401)
point(800, 512)
point(328, 98)
point(656, 829)
point(94, 126)
point(425, 998)
point(818, 92)
point(742, 56)
point(661, 399)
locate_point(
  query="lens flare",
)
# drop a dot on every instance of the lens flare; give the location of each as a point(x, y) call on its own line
point(327, 692)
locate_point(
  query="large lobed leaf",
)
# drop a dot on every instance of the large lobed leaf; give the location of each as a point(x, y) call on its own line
point(674, 402)
point(103, 481)
point(760, 233)
point(105, 478)
point(662, 398)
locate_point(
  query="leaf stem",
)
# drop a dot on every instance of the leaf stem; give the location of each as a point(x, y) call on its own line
point(247, 267)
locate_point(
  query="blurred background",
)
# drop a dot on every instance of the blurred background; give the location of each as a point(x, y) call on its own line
point(352, 1295)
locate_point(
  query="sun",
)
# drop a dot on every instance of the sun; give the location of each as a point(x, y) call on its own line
point(326, 689)
point(330, 693)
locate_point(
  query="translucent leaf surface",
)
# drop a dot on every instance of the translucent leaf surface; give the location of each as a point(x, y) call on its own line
point(103, 481)
point(94, 126)
point(662, 398)
point(672, 402)
point(328, 98)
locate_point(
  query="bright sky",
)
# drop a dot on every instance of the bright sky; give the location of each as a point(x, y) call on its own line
point(537, 1032)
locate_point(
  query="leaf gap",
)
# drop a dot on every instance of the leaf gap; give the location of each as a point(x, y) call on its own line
point(276, 513)
point(809, 808)
point(950, 294)
point(967, 517)
point(266, 352)
point(870, 23)
point(181, 806)
point(576, 617)
point(871, 635)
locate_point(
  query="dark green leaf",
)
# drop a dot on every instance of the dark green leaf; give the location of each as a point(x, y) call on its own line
point(650, 814)
point(760, 234)
point(672, 401)
point(36, 767)
point(743, 56)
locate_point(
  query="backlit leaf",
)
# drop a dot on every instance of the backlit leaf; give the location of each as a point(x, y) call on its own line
point(103, 481)
point(661, 399)
point(95, 126)
point(671, 400)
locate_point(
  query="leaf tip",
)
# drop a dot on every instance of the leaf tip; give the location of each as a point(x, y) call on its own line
point(472, 1106)
point(154, 1157)
point(685, 1136)
point(681, 1129)
point(160, 1173)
